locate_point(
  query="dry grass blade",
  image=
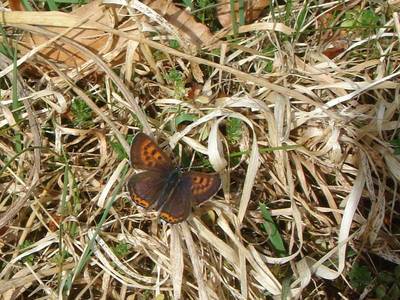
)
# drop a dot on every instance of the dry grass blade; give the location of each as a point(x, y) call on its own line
point(176, 257)
point(298, 112)
point(19, 282)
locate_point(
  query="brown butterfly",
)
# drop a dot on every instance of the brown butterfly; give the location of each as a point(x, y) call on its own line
point(165, 187)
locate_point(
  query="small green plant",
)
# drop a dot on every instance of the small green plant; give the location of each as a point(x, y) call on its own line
point(388, 284)
point(29, 258)
point(174, 44)
point(121, 250)
point(82, 113)
point(233, 130)
point(176, 78)
point(184, 117)
point(80, 2)
point(360, 277)
point(205, 15)
point(60, 257)
point(148, 294)
point(201, 159)
point(269, 67)
point(27, 5)
point(158, 55)
point(70, 207)
point(365, 18)
point(52, 5)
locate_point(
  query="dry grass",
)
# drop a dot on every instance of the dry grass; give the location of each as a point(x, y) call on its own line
point(283, 124)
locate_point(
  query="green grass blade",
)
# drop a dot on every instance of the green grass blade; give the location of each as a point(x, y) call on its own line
point(241, 12)
point(52, 5)
point(233, 18)
point(4, 45)
point(288, 11)
point(15, 102)
point(27, 5)
point(301, 19)
point(89, 249)
point(188, 3)
point(271, 229)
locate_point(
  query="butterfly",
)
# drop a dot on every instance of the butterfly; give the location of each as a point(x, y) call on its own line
point(164, 187)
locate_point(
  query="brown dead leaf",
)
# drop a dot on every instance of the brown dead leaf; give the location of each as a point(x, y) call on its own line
point(194, 91)
point(197, 33)
point(252, 8)
point(16, 5)
point(97, 40)
point(336, 48)
point(53, 224)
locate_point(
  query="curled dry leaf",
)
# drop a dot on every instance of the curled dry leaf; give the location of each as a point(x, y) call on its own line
point(335, 48)
point(98, 41)
point(252, 8)
point(195, 32)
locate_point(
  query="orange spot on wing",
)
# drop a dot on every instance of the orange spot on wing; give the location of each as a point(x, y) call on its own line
point(202, 185)
point(140, 201)
point(150, 155)
point(169, 218)
point(198, 191)
point(196, 179)
point(145, 154)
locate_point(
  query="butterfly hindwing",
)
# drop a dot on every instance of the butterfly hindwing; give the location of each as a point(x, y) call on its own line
point(193, 188)
point(146, 188)
point(146, 155)
point(178, 206)
point(202, 185)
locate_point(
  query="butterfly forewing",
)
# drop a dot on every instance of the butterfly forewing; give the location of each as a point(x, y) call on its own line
point(146, 188)
point(146, 155)
point(202, 185)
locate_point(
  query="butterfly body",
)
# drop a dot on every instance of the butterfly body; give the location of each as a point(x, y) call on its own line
point(165, 187)
point(171, 181)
